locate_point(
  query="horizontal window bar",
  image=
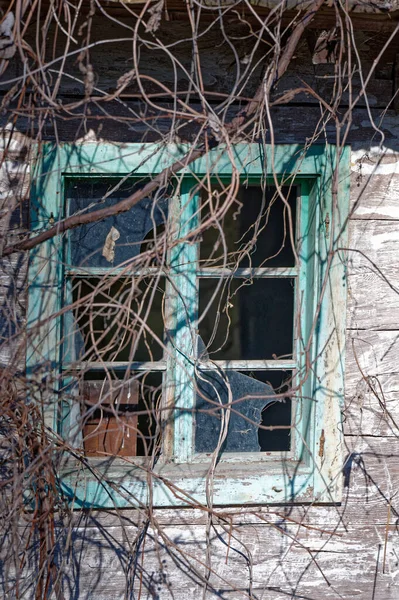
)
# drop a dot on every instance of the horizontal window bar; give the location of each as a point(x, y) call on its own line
point(256, 272)
point(123, 271)
point(116, 366)
point(243, 365)
point(208, 272)
point(249, 365)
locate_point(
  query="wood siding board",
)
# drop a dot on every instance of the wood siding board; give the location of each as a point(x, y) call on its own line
point(292, 124)
point(313, 565)
point(374, 196)
point(373, 304)
point(371, 406)
point(371, 383)
point(218, 71)
point(373, 247)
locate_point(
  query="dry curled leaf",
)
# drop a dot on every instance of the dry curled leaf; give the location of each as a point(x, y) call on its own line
point(125, 79)
point(109, 246)
point(215, 125)
point(154, 21)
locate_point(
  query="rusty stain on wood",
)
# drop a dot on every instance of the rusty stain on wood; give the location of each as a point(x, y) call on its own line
point(322, 441)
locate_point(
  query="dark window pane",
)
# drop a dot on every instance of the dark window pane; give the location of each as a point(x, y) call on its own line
point(122, 420)
point(116, 321)
point(247, 320)
point(88, 242)
point(252, 406)
point(255, 228)
point(278, 413)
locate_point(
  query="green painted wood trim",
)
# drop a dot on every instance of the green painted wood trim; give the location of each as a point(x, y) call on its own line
point(330, 336)
point(183, 275)
point(129, 487)
point(318, 475)
point(104, 159)
point(45, 290)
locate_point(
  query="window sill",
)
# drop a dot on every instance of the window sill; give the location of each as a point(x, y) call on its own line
point(129, 483)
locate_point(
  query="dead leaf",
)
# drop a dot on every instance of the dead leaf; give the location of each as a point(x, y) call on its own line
point(109, 246)
point(126, 78)
point(155, 20)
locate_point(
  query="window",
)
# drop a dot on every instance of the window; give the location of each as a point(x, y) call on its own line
point(204, 327)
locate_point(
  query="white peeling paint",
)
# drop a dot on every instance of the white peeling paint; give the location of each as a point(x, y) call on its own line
point(376, 160)
point(7, 46)
point(90, 136)
point(389, 209)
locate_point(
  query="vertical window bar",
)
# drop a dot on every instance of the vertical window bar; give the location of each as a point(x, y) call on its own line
point(305, 302)
point(183, 274)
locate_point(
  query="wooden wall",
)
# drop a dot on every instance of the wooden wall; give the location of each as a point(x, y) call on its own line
point(308, 552)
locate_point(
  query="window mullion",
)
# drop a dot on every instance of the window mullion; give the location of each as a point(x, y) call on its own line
point(183, 279)
point(247, 273)
point(252, 364)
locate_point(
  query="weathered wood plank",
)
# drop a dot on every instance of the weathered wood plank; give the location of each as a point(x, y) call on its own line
point(224, 71)
point(375, 196)
point(121, 123)
point(276, 561)
point(371, 382)
point(375, 351)
point(373, 246)
point(372, 408)
point(373, 272)
point(285, 558)
point(373, 304)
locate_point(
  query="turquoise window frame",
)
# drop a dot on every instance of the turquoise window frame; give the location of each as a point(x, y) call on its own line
point(314, 472)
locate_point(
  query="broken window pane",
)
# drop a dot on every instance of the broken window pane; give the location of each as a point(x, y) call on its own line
point(118, 238)
point(122, 420)
point(253, 404)
point(247, 319)
point(121, 320)
point(255, 228)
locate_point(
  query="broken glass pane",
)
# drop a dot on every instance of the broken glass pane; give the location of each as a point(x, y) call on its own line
point(247, 319)
point(118, 238)
point(118, 320)
point(255, 227)
point(253, 405)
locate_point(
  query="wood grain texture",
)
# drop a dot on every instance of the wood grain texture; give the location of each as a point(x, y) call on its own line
point(373, 246)
point(371, 407)
point(372, 275)
point(278, 560)
point(116, 122)
point(300, 552)
point(375, 196)
point(375, 351)
point(223, 71)
point(373, 304)
point(371, 383)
